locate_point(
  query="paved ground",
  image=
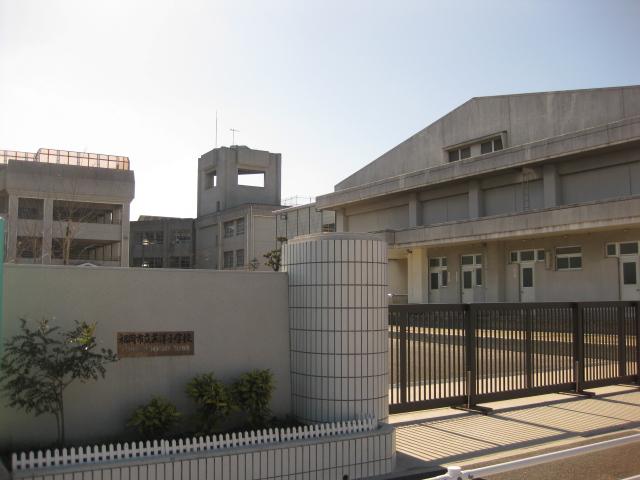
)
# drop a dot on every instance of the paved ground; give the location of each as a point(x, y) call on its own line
point(612, 464)
point(522, 427)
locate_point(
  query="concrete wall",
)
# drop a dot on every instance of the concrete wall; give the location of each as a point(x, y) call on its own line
point(525, 118)
point(227, 193)
point(598, 280)
point(232, 336)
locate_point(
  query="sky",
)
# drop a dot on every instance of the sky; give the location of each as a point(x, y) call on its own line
point(331, 85)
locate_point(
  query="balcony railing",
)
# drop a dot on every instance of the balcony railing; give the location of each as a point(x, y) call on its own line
point(66, 157)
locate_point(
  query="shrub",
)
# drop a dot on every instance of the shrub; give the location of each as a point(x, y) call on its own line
point(212, 399)
point(155, 419)
point(252, 393)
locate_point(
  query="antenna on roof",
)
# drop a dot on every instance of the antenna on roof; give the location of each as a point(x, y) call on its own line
point(216, 128)
point(233, 130)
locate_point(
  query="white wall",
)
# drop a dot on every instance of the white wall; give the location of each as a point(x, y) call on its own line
point(239, 319)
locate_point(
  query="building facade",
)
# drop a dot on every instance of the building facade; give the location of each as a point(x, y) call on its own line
point(238, 190)
point(162, 242)
point(530, 197)
point(304, 219)
point(64, 207)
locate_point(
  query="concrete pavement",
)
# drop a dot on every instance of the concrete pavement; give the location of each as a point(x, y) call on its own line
point(521, 427)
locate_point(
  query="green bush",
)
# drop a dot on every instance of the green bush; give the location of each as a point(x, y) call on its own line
point(212, 399)
point(155, 419)
point(252, 393)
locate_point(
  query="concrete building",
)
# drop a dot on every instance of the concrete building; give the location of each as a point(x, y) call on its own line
point(238, 190)
point(303, 219)
point(529, 197)
point(66, 207)
point(162, 242)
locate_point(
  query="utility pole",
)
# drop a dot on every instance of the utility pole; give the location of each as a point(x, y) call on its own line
point(233, 133)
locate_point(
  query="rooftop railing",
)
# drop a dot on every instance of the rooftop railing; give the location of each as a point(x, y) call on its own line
point(66, 157)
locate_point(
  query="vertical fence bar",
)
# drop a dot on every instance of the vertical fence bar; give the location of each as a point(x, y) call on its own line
point(578, 346)
point(622, 343)
point(403, 356)
point(637, 310)
point(470, 337)
point(528, 345)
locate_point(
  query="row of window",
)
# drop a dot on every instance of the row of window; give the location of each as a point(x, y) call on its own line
point(234, 227)
point(228, 258)
point(488, 146)
point(566, 258)
point(157, 237)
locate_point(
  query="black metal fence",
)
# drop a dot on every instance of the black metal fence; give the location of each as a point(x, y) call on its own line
point(444, 355)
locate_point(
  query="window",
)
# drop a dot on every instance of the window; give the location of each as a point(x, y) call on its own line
point(475, 262)
point(150, 238)
point(182, 237)
point(623, 248)
point(152, 262)
point(229, 229)
point(240, 226)
point(438, 275)
point(459, 153)
point(328, 227)
point(250, 178)
point(478, 277)
point(492, 145)
point(239, 258)
point(629, 248)
point(180, 262)
point(228, 259)
point(210, 180)
point(568, 258)
point(532, 255)
point(629, 275)
point(30, 208)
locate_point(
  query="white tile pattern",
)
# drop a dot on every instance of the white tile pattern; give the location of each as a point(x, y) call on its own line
point(339, 326)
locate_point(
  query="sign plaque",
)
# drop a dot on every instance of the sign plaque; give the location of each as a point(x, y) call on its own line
point(154, 344)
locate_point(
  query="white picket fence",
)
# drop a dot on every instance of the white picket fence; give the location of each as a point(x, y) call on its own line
point(142, 450)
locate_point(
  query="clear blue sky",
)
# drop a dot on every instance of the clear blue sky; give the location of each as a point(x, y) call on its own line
point(329, 84)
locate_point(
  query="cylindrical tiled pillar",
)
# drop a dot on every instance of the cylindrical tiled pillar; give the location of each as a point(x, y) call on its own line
point(338, 326)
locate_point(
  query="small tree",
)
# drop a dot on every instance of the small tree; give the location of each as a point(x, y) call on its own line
point(155, 419)
point(274, 257)
point(38, 365)
point(213, 401)
point(252, 393)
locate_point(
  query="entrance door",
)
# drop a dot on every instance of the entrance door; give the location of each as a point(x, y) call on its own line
point(467, 284)
point(527, 282)
point(629, 278)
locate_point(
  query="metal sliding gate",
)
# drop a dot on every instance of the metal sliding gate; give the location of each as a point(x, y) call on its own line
point(445, 355)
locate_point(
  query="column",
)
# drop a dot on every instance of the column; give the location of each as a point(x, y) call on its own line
point(47, 230)
point(417, 275)
point(551, 186)
point(415, 210)
point(12, 228)
point(339, 326)
point(124, 244)
point(342, 221)
point(475, 199)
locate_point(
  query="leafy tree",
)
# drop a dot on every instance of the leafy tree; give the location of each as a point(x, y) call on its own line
point(213, 401)
point(274, 257)
point(39, 364)
point(155, 419)
point(252, 393)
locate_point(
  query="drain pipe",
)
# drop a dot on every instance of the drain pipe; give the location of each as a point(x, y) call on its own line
point(456, 473)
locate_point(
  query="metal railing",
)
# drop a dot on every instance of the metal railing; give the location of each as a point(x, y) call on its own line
point(446, 355)
point(66, 157)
